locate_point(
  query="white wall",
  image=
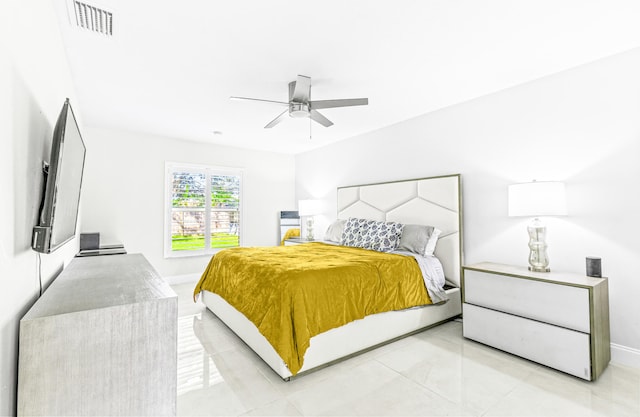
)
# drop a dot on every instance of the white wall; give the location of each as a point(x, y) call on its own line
point(34, 82)
point(124, 184)
point(581, 126)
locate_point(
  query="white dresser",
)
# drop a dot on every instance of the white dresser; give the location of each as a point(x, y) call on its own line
point(560, 320)
point(102, 340)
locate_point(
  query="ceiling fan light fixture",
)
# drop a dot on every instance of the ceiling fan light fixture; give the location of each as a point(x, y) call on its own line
point(298, 110)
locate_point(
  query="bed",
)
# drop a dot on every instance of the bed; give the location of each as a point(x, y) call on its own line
point(434, 201)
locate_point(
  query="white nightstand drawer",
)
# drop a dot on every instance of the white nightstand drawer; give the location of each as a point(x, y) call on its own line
point(557, 347)
point(562, 305)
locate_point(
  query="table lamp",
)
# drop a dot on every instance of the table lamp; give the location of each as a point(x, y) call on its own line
point(536, 199)
point(308, 209)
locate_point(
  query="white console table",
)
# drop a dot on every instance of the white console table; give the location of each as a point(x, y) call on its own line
point(558, 319)
point(102, 340)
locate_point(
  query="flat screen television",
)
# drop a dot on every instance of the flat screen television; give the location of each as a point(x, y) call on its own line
point(63, 179)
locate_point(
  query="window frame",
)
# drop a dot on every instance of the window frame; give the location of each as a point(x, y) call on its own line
point(208, 170)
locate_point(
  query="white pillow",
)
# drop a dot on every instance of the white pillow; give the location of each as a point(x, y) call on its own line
point(334, 231)
point(433, 240)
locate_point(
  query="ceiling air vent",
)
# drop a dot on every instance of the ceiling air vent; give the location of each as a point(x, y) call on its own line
point(93, 19)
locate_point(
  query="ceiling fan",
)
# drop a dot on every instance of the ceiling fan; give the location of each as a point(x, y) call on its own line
point(300, 103)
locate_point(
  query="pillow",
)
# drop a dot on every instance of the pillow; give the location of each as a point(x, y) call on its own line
point(433, 239)
point(334, 231)
point(382, 236)
point(351, 233)
point(415, 238)
point(371, 234)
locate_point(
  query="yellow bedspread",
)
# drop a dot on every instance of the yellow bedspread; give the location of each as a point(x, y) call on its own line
point(292, 293)
point(293, 232)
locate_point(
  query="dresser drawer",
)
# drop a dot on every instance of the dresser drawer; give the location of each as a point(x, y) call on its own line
point(556, 347)
point(562, 305)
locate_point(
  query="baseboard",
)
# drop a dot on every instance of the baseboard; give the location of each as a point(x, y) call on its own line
point(182, 279)
point(624, 355)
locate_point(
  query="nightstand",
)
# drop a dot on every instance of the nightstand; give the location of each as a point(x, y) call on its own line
point(299, 241)
point(557, 319)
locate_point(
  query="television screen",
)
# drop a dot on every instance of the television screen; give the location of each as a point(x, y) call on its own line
point(61, 197)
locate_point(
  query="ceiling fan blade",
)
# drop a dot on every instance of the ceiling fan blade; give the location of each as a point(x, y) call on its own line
point(301, 90)
point(277, 120)
point(326, 104)
point(258, 99)
point(317, 117)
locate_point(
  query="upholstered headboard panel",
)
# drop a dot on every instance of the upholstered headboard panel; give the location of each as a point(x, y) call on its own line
point(432, 201)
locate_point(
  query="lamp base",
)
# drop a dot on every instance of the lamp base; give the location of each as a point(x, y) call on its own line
point(536, 269)
point(310, 228)
point(538, 259)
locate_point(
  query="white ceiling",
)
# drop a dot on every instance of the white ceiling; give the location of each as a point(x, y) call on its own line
point(171, 66)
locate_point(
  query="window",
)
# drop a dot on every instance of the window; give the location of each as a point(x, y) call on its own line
point(202, 209)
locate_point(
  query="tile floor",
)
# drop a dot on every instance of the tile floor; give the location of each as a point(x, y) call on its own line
point(436, 372)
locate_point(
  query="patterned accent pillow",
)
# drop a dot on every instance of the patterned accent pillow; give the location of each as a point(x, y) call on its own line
point(371, 234)
point(351, 234)
point(382, 236)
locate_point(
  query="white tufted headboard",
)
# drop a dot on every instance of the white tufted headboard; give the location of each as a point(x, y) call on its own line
point(434, 201)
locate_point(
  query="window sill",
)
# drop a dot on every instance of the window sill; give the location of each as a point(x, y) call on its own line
point(192, 253)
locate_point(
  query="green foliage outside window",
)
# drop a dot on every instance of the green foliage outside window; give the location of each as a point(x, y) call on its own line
point(188, 214)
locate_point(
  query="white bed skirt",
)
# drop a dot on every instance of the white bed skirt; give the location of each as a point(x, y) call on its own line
point(341, 342)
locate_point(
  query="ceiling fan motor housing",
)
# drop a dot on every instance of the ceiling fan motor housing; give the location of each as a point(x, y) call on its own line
point(298, 110)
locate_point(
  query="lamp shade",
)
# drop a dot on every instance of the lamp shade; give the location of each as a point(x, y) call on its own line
point(309, 207)
point(538, 198)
